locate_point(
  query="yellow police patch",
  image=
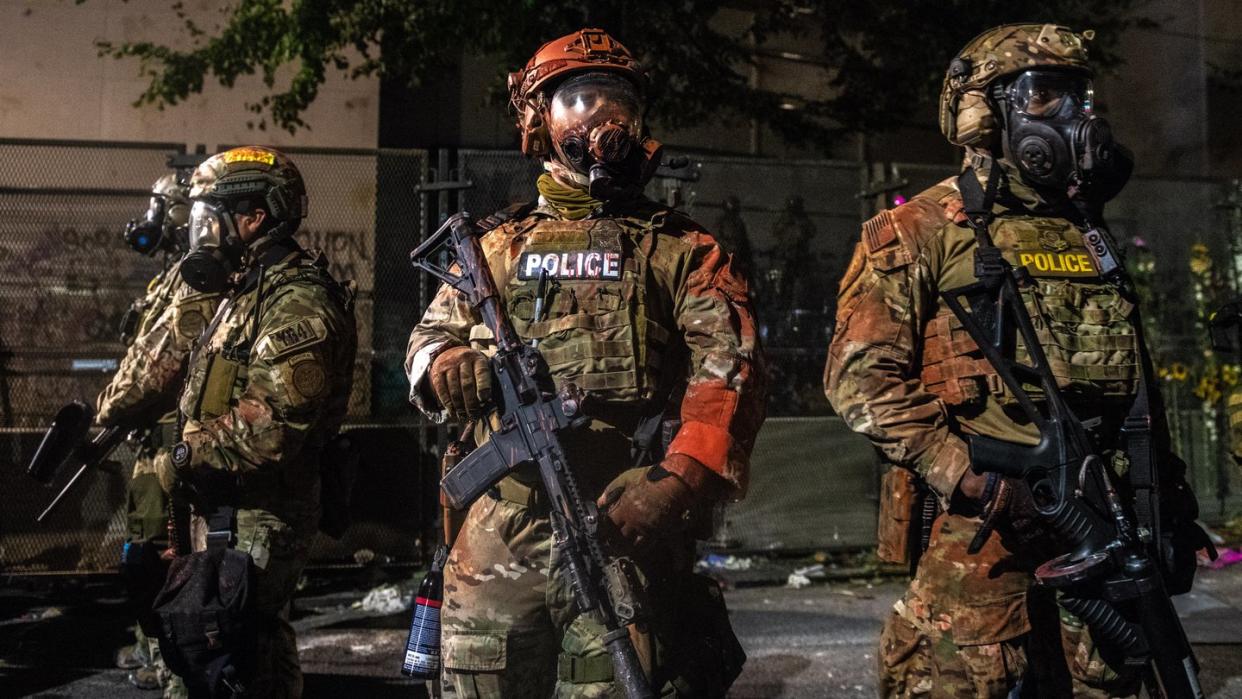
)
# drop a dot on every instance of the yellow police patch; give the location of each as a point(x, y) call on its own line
point(1070, 263)
point(294, 336)
point(248, 155)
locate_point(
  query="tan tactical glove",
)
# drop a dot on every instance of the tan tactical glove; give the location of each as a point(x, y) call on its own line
point(642, 507)
point(461, 379)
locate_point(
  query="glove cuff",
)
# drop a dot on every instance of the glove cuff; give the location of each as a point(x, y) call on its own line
point(701, 480)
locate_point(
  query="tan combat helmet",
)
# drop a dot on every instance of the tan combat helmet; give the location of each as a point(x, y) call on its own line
point(966, 116)
point(255, 176)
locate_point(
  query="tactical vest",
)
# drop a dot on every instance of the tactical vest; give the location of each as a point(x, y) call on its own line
point(1083, 323)
point(597, 328)
point(225, 375)
point(142, 313)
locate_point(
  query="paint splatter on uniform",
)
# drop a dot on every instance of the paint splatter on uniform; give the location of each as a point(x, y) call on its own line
point(902, 371)
point(647, 313)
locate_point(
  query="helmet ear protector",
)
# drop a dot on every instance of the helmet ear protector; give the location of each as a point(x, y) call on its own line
point(968, 117)
point(536, 141)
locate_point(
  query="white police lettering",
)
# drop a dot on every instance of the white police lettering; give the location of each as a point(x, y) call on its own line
point(577, 264)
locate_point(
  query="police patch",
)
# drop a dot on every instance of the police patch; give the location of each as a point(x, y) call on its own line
point(295, 336)
point(1072, 263)
point(308, 378)
point(191, 324)
point(577, 264)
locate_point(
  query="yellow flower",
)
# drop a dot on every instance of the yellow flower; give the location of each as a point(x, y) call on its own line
point(1178, 371)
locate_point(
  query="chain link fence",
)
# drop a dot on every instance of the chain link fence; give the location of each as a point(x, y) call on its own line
point(68, 278)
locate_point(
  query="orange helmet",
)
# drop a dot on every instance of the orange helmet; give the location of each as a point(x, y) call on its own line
point(582, 51)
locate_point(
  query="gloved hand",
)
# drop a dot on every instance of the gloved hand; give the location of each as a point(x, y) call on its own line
point(1005, 504)
point(640, 510)
point(461, 379)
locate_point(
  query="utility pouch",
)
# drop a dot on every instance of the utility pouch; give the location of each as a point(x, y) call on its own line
point(899, 510)
point(699, 654)
point(338, 469)
point(218, 387)
point(206, 617)
point(129, 322)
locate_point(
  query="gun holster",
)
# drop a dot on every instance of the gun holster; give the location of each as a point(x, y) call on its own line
point(900, 522)
point(456, 450)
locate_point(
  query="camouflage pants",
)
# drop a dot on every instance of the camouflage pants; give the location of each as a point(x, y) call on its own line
point(510, 627)
point(146, 503)
point(972, 626)
point(146, 516)
point(279, 555)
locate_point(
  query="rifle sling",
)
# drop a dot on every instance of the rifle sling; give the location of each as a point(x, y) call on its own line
point(1137, 428)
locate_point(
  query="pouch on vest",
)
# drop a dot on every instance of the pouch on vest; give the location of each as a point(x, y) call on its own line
point(206, 616)
point(594, 330)
point(338, 469)
point(217, 392)
point(899, 505)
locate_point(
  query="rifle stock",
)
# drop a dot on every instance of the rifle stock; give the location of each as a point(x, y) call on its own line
point(65, 445)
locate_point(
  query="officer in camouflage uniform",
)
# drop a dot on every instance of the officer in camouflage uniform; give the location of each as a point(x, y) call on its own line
point(159, 330)
point(268, 385)
point(643, 309)
point(902, 371)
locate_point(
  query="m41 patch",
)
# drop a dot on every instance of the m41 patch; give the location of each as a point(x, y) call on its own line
point(294, 336)
point(576, 264)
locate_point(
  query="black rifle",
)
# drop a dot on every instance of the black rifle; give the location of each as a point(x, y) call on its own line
point(1110, 578)
point(66, 443)
point(531, 416)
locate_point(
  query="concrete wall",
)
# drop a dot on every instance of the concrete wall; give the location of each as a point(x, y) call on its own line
point(53, 83)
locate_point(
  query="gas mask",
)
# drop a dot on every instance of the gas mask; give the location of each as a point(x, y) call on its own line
point(163, 227)
point(1056, 141)
point(216, 248)
point(595, 123)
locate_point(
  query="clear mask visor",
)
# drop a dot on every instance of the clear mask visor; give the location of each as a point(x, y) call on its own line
point(1043, 94)
point(206, 225)
point(155, 210)
point(583, 102)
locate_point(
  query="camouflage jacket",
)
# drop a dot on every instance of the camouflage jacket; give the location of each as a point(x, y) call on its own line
point(901, 369)
point(267, 389)
point(146, 383)
point(644, 311)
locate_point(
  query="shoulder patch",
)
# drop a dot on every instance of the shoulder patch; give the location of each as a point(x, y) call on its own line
point(297, 335)
point(879, 232)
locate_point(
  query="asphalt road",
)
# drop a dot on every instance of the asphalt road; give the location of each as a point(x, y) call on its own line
point(818, 641)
